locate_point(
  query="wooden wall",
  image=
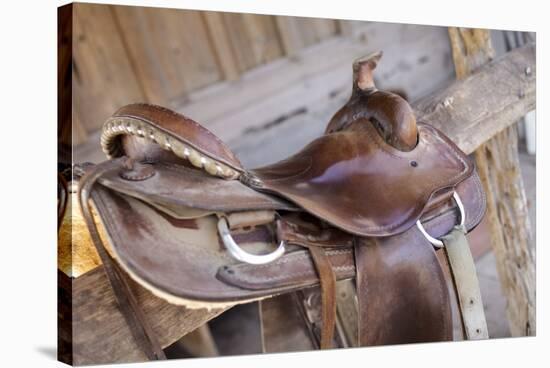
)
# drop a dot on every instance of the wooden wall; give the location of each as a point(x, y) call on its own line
point(125, 54)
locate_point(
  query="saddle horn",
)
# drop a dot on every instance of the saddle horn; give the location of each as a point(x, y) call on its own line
point(390, 113)
point(363, 68)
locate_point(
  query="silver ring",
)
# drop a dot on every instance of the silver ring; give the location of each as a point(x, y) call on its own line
point(239, 254)
point(436, 242)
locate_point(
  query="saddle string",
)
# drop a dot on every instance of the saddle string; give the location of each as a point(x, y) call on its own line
point(129, 307)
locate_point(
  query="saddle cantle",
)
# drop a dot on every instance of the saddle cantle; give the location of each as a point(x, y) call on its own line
point(187, 221)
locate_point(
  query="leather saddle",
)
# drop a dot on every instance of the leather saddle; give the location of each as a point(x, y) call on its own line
point(368, 201)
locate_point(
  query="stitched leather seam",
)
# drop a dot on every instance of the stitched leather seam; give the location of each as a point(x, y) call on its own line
point(251, 278)
point(288, 258)
point(181, 116)
point(291, 257)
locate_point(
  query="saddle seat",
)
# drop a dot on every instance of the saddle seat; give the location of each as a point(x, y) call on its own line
point(355, 181)
point(351, 179)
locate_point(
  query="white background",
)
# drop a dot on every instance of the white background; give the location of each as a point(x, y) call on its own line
point(28, 182)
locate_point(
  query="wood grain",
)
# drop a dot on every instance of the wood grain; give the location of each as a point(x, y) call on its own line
point(473, 110)
point(221, 43)
point(169, 49)
point(125, 54)
point(297, 33)
point(103, 78)
point(253, 38)
point(498, 164)
point(315, 30)
point(100, 333)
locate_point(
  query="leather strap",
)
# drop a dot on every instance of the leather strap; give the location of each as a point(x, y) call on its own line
point(466, 284)
point(134, 316)
point(401, 290)
point(327, 280)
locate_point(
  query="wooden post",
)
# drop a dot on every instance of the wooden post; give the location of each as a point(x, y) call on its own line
point(498, 165)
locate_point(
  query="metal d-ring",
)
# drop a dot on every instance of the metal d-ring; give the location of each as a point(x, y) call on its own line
point(239, 254)
point(436, 242)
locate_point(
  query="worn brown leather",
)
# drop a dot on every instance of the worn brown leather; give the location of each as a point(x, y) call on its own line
point(353, 180)
point(176, 185)
point(400, 302)
point(175, 124)
point(291, 270)
point(180, 264)
point(346, 207)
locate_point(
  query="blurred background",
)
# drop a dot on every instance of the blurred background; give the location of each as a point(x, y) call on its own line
point(264, 84)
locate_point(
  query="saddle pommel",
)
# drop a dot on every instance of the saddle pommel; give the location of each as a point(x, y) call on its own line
point(390, 113)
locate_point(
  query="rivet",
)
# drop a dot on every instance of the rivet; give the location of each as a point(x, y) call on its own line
point(414, 163)
point(528, 70)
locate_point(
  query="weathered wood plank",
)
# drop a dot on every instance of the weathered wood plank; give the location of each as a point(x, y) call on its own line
point(289, 33)
point(169, 49)
point(297, 33)
point(100, 333)
point(350, 28)
point(103, 78)
point(283, 327)
point(473, 110)
point(200, 342)
point(225, 56)
point(511, 232)
point(315, 30)
point(498, 164)
point(253, 38)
